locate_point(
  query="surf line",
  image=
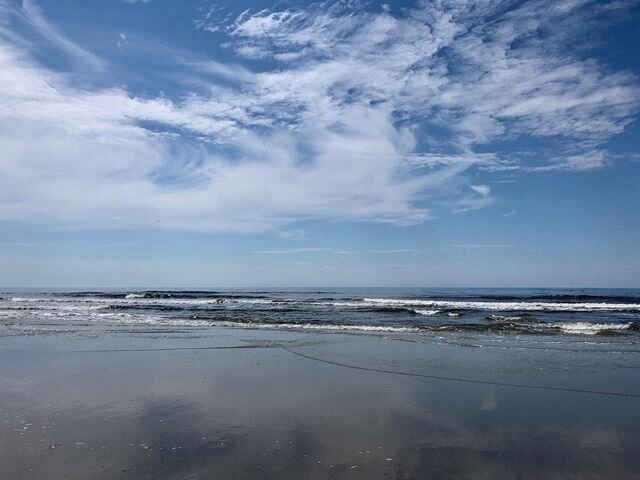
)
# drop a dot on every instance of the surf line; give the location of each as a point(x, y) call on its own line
point(464, 380)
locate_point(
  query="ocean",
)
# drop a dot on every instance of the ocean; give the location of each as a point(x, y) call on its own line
point(559, 313)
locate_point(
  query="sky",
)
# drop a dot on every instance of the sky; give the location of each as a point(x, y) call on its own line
point(163, 144)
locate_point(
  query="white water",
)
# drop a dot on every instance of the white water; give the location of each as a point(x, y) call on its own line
point(585, 328)
point(505, 306)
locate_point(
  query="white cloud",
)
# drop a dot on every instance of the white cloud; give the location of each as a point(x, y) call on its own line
point(122, 41)
point(33, 15)
point(482, 190)
point(472, 246)
point(479, 197)
point(292, 251)
point(394, 250)
point(585, 161)
point(338, 129)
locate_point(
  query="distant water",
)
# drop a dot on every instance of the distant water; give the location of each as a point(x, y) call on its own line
point(557, 312)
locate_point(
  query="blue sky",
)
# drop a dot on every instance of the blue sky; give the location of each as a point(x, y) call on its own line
point(252, 143)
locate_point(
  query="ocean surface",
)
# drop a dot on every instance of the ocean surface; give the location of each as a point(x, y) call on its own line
point(560, 313)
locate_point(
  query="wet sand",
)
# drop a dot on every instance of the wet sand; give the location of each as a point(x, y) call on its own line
point(238, 404)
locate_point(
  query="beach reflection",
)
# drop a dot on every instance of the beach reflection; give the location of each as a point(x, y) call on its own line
point(263, 413)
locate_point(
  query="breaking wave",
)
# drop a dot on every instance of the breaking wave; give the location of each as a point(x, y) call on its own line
point(508, 306)
point(595, 328)
point(549, 314)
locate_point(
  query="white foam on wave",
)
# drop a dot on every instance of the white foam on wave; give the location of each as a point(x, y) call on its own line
point(128, 319)
point(428, 313)
point(160, 321)
point(504, 318)
point(188, 301)
point(143, 298)
point(505, 306)
point(422, 305)
point(56, 300)
point(585, 328)
point(320, 327)
point(257, 301)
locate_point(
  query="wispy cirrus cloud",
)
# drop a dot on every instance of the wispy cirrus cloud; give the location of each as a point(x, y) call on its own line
point(394, 250)
point(35, 18)
point(328, 111)
point(478, 196)
point(293, 251)
point(472, 246)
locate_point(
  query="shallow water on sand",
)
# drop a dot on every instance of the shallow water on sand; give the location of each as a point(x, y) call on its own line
point(172, 402)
